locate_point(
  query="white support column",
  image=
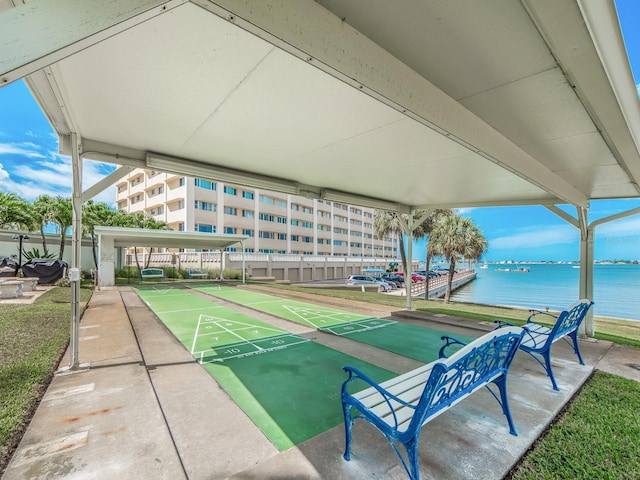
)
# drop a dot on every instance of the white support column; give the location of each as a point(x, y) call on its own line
point(223, 255)
point(243, 263)
point(107, 257)
point(585, 286)
point(76, 199)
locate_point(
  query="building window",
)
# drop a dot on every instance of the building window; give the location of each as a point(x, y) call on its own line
point(246, 194)
point(282, 203)
point(267, 200)
point(181, 227)
point(206, 184)
point(282, 236)
point(180, 204)
point(248, 232)
point(230, 190)
point(230, 211)
point(267, 235)
point(247, 213)
point(207, 206)
point(203, 227)
point(282, 220)
point(294, 238)
point(230, 230)
point(267, 218)
point(181, 182)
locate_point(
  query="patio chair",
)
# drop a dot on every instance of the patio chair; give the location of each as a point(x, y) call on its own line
point(538, 338)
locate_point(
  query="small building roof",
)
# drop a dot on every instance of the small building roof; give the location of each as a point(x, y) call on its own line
point(142, 237)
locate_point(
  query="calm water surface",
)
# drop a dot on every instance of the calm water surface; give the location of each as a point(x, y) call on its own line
point(616, 288)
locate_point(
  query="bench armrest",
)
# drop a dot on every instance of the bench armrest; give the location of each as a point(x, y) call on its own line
point(534, 313)
point(448, 342)
point(503, 323)
point(529, 338)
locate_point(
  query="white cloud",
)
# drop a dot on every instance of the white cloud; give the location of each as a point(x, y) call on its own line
point(624, 226)
point(53, 176)
point(4, 175)
point(464, 211)
point(535, 238)
point(26, 149)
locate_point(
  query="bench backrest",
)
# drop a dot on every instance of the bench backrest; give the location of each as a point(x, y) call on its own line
point(570, 319)
point(151, 271)
point(470, 368)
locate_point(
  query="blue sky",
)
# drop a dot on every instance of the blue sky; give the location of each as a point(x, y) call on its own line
point(31, 166)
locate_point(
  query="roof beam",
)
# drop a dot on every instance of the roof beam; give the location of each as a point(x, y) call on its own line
point(105, 183)
point(312, 33)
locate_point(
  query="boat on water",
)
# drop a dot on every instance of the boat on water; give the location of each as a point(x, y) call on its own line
point(484, 266)
point(516, 270)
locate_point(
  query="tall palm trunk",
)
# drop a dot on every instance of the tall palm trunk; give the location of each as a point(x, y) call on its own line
point(148, 259)
point(135, 256)
point(428, 267)
point(45, 251)
point(452, 269)
point(403, 259)
point(63, 238)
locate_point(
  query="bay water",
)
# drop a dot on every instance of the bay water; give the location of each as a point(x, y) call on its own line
point(616, 291)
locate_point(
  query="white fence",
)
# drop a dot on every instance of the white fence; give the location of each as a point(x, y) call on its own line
point(293, 268)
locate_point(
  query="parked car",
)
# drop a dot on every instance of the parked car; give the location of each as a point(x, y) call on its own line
point(414, 277)
point(367, 280)
point(394, 278)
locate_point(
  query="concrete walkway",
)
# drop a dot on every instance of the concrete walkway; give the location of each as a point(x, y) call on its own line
point(142, 407)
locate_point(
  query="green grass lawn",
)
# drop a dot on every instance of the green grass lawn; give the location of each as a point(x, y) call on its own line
point(32, 340)
point(596, 437)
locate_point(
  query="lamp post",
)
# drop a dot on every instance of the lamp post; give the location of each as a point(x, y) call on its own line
point(20, 237)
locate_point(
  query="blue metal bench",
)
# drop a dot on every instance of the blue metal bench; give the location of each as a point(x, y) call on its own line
point(198, 273)
point(151, 273)
point(539, 339)
point(401, 406)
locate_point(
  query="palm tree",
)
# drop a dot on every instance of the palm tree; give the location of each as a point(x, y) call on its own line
point(14, 212)
point(62, 216)
point(477, 245)
point(386, 223)
point(140, 220)
point(426, 227)
point(93, 215)
point(42, 214)
point(454, 236)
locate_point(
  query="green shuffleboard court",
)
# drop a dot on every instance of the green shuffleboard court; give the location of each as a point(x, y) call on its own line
point(411, 341)
point(288, 385)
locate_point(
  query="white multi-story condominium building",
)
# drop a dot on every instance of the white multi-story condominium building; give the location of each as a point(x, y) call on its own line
point(274, 222)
